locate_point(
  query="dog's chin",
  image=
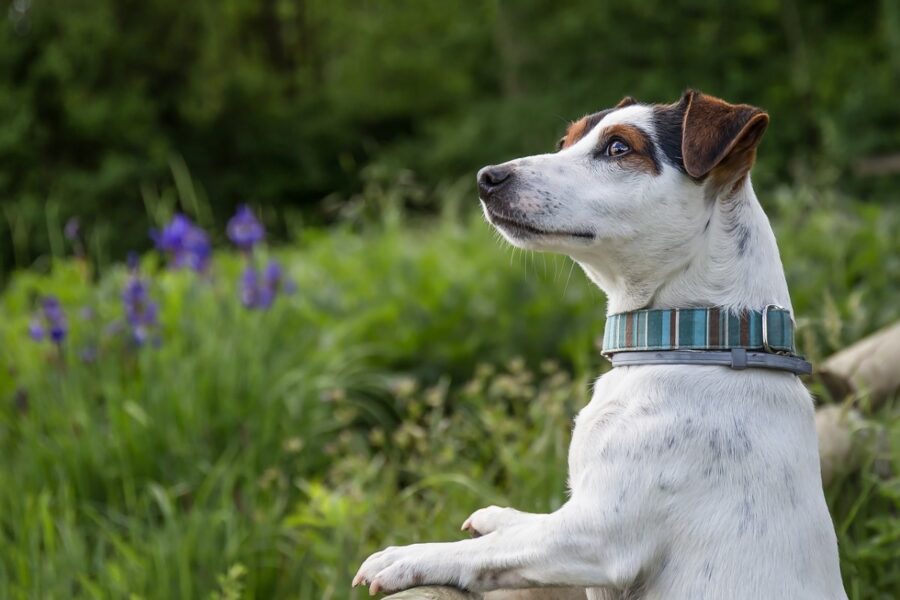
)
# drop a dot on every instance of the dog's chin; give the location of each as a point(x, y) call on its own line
point(531, 236)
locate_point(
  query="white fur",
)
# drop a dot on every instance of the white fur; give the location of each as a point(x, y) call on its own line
point(687, 482)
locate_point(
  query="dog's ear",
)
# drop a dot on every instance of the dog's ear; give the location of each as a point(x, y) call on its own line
point(626, 101)
point(719, 136)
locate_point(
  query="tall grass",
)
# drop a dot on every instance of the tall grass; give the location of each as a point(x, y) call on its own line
point(421, 370)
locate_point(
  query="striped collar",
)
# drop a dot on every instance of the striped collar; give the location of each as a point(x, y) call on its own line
point(681, 335)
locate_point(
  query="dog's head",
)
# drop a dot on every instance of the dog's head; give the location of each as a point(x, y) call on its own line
point(631, 187)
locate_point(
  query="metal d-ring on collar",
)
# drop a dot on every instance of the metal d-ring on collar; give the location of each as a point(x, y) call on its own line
point(765, 327)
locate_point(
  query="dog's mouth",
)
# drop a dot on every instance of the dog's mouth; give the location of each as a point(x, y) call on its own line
point(517, 227)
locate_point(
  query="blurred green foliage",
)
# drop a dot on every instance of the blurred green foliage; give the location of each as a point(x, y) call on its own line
point(283, 103)
point(420, 371)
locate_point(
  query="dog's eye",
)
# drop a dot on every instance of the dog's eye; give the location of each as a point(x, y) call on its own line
point(617, 148)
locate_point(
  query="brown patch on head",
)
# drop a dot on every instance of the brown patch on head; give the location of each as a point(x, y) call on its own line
point(580, 128)
point(574, 132)
point(720, 139)
point(643, 155)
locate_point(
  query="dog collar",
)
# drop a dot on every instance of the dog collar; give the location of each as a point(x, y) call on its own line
point(704, 336)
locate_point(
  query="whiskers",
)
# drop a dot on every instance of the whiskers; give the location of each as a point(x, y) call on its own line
point(569, 277)
point(528, 256)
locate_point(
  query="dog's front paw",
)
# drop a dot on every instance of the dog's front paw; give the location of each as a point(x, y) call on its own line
point(398, 568)
point(489, 519)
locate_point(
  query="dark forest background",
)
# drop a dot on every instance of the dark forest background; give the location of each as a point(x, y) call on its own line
point(109, 107)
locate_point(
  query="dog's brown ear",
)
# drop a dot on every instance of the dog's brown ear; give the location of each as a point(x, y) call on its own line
point(720, 136)
point(626, 101)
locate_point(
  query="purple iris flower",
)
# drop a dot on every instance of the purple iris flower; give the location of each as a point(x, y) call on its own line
point(36, 329)
point(89, 354)
point(272, 279)
point(260, 291)
point(72, 232)
point(71, 229)
point(55, 318)
point(244, 230)
point(186, 244)
point(50, 323)
point(141, 312)
point(249, 287)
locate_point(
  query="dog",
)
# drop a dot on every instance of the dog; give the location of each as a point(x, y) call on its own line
point(687, 481)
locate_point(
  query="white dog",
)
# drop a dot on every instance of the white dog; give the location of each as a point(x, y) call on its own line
point(688, 480)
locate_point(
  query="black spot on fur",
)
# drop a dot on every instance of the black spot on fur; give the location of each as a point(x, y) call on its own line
point(664, 484)
point(790, 484)
point(746, 515)
point(668, 121)
point(620, 501)
point(743, 239)
point(715, 444)
point(637, 589)
point(735, 227)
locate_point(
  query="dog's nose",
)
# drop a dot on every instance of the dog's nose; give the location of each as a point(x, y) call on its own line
point(491, 179)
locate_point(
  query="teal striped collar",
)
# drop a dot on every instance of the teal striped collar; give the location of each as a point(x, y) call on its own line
point(770, 330)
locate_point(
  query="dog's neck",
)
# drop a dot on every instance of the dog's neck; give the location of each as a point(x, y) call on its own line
point(734, 263)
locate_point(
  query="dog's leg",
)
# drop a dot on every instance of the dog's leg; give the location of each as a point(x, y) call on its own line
point(575, 546)
point(491, 518)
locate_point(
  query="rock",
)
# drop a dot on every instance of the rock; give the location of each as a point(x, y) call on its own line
point(869, 368)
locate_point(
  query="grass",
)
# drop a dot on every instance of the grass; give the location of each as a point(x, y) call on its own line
point(420, 371)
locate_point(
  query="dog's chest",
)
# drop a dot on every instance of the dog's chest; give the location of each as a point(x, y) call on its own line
point(610, 425)
point(594, 433)
point(665, 420)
